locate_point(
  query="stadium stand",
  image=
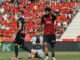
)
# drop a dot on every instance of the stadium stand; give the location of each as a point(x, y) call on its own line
point(32, 14)
point(73, 30)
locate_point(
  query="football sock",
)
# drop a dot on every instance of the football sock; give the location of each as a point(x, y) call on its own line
point(47, 56)
point(53, 55)
point(53, 58)
point(16, 51)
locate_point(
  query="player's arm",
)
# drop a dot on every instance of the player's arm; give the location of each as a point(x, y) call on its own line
point(41, 23)
point(33, 41)
point(20, 25)
point(41, 40)
point(54, 17)
point(42, 20)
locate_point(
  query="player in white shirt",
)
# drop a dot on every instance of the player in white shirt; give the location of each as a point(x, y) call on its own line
point(37, 42)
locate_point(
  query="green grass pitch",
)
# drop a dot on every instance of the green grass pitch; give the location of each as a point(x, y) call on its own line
point(59, 56)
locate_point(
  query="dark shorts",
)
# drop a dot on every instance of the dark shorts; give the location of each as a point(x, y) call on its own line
point(50, 39)
point(19, 39)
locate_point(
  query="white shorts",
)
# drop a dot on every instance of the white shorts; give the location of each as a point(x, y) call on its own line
point(39, 52)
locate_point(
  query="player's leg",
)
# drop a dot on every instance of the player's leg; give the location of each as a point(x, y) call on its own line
point(53, 51)
point(16, 47)
point(25, 48)
point(46, 50)
point(52, 44)
point(16, 52)
point(45, 40)
point(40, 53)
point(21, 42)
point(30, 53)
point(17, 41)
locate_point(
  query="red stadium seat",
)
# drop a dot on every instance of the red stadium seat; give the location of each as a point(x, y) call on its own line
point(62, 4)
point(67, 20)
point(5, 32)
point(57, 4)
point(6, 24)
point(34, 27)
point(0, 31)
point(10, 31)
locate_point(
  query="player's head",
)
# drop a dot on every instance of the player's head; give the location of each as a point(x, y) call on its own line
point(38, 33)
point(20, 13)
point(47, 10)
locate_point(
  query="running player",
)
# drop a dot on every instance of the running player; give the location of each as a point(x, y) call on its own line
point(20, 35)
point(49, 32)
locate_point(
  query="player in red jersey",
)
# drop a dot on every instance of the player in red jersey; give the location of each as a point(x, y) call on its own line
point(49, 32)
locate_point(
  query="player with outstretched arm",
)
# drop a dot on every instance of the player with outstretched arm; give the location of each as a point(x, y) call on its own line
point(49, 32)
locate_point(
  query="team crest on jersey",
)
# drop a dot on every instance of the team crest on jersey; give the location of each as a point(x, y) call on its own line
point(48, 22)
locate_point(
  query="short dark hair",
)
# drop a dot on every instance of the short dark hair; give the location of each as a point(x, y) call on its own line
point(48, 9)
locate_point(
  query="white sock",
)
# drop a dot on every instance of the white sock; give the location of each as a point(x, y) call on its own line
point(47, 57)
point(53, 58)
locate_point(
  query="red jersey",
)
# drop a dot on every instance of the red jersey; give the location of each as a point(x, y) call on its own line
point(48, 21)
